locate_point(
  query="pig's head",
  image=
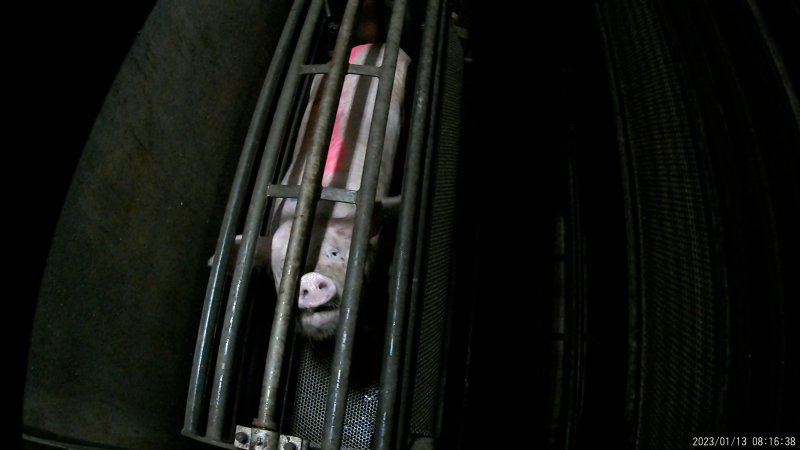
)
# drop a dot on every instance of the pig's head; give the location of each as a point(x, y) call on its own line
point(320, 290)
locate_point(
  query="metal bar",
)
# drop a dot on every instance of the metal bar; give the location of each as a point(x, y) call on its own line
point(369, 71)
point(303, 219)
point(328, 193)
point(255, 214)
point(405, 399)
point(777, 61)
point(411, 329)
point(211, 306)
point(339, 195)
point(345, 333)
point(391, 369)
point(352, 69)
point(310, 69)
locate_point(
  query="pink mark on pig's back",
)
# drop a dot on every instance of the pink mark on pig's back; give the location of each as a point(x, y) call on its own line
point(335, 149)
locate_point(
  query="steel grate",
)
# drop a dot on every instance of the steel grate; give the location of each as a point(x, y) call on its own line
point(677, 286)
point(308, 413)
point(437, 286)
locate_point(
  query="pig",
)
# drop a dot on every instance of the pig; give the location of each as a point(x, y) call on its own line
point(321, 287)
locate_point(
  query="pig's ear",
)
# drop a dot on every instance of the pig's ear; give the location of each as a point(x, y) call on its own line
point(377, 224)
point(386, 210)
point(263, 252)
point(390, 207)
point(261, 256)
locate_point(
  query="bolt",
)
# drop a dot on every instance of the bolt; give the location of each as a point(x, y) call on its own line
point(242, 437)
point(289, 446)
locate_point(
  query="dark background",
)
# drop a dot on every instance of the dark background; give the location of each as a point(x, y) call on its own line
point(69, 55)
point(66, 59)
point(66, 66)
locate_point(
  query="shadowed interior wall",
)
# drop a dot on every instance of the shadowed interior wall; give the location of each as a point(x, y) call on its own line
point(115, 324)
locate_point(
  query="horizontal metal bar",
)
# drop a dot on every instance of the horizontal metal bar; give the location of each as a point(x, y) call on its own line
point(339, 195)
point(352, 69)
point(328, 193)
point(311, 69)
point(213, 300)
point(207, 440)
point(359, 69)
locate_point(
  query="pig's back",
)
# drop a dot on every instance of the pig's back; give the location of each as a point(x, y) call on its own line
point(346, 153)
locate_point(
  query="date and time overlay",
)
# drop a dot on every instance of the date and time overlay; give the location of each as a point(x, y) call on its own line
point(775, 441)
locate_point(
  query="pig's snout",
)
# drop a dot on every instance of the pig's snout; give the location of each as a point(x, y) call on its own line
point(316, 290)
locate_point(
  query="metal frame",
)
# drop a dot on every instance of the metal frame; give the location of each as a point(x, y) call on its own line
point(308, 194)
point(405, 245)
point(198, 383)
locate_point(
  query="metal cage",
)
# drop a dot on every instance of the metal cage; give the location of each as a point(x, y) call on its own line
point(209, 414)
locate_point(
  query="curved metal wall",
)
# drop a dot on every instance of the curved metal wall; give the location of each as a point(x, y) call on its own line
point(709, 132)
point(114, 328)
point(674, 285)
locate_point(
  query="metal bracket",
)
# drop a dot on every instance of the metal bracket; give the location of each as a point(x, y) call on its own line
point(250, 438)
point(332, 194)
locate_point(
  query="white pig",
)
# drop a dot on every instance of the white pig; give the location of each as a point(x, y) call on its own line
point(321, 288)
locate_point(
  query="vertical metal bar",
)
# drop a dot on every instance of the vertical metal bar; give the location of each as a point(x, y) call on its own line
point(255, 215)
point(304, 216)
point(398, 291)
point(415, 297)
point(205, 335)
point(411, 328)
point(345, 333)
point(777, 61)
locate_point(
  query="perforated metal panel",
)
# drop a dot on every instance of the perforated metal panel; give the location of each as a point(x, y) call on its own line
point(675, 253)
point(308, 414)
point(437, 286)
